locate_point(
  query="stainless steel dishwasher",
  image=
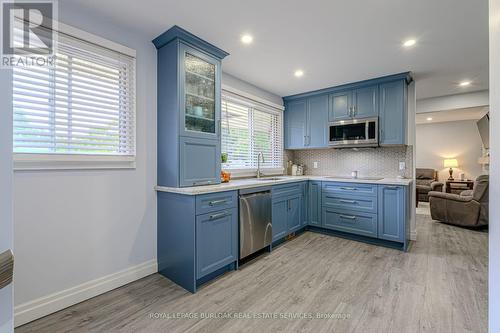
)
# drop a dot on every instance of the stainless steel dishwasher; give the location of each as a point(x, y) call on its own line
point(256, 227)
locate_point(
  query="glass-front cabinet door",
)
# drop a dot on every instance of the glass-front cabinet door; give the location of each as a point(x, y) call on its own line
point(201, 101)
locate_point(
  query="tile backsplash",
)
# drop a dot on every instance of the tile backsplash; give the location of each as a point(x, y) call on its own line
point(382, 161)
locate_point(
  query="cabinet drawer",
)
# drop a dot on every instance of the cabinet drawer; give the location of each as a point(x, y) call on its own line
point(364, 224)
point(342, 201)
point(287, 189)
point(212, 202)
point(350, 188)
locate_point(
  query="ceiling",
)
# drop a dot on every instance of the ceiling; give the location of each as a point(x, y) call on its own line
point(474, 113)
point(333, 42)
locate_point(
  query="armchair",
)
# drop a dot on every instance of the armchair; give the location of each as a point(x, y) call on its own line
point(468, 209)
point(427, 182)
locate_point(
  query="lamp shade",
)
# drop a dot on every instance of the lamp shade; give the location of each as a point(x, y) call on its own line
point(451, 163)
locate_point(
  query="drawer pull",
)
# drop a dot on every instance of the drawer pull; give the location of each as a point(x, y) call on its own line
point(218, 216)
point(348, 201)
point(348, 188)
point(217, 202)
point(348, 217)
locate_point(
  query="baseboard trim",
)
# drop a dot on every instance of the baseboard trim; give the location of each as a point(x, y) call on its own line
point(29, 311)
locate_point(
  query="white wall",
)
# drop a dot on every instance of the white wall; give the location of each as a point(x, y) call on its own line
point(453, 102)
point(494, 229)
point(6, 237)
point(244, 86)
point(454, 139)
point(72, 227)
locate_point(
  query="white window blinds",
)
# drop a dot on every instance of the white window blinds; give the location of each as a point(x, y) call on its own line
point(249, 128)
point(85, 104)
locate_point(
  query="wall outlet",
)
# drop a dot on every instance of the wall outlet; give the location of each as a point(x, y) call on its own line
point(402, 166)
point(315, 165)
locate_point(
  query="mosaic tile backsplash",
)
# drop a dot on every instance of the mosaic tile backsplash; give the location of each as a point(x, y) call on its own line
point(382, 161)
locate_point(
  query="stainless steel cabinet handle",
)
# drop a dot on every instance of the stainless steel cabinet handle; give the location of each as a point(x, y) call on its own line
point(348, 201)
point(354, 111)
point(348, 188)
point(348, 217)
point(218, 216)
point(203, 183)
point(217, 202)
point(350, 111)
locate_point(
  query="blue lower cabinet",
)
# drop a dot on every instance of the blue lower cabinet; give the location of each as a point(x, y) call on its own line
point(358, 223)
point(216, 241)
point(305, 204)
point(314, 203)
point(392, 213)
point(294, 220)
point(280, 217)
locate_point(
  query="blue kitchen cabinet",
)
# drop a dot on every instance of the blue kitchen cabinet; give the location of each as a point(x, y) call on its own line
point(294, 219)
point(353, 104)
point(188, 109)
point(365, 102)
point(305, 203)
point(393, 120)
point(199, 161)
point(314, 203)
point(280, 217)
point(317, 122)
point(340, 106)
point(295, 124)
point(392, 213)
point(216, 241)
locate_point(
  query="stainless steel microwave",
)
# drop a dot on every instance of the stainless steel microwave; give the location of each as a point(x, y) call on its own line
point(353, 133)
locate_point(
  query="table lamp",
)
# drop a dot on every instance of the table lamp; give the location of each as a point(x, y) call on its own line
point(451, 163)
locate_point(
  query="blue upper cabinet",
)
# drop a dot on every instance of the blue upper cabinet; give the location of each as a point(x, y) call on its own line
point(317, 122)
point(393, 120)
point(188, 119)
point(365, 102)
point(340, 106)
point(295, 124)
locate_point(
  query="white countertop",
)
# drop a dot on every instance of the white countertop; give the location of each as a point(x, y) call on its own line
point(238, 184)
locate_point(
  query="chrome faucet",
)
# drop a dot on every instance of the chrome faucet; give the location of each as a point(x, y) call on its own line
point(259, 155)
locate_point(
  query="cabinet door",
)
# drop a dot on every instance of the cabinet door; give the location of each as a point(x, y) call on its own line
point(216, 241)
point(294, 213)
point(340, 106)
point(295, 124)
point(304, 203)
point(317, 122)
point(200, 94)
point(391, 213)
point(314, 203)
point(199, 161)
point(393, 113)
point(280, 216)
point(365, 102)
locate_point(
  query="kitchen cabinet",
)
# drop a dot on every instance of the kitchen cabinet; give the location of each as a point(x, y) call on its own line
point(353, 104)
point(294, 219)
point(306, 123)
point(314, 203)
point(188, 109)
point(305, 203)
point(392, 213)
point(280, 217)
point(393, 120)
point(288, 205)
point(216, 241)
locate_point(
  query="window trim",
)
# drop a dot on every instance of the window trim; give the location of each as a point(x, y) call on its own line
point(278, 109)
point(34, 161)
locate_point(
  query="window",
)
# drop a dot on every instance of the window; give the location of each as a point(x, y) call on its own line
point(249, 128)
point(83, 106)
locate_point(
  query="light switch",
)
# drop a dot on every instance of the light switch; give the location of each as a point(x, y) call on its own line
point(315, 165)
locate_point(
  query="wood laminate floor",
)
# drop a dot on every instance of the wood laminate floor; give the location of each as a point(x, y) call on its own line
point(440, 285)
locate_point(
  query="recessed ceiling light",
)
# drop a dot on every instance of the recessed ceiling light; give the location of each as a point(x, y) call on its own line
point(429, 119)
point(246, 39)
point(299, 73)
point(409, 42)
point(464, 83)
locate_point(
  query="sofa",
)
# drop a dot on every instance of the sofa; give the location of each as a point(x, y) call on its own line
point(467, 209)
point(427, 181)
